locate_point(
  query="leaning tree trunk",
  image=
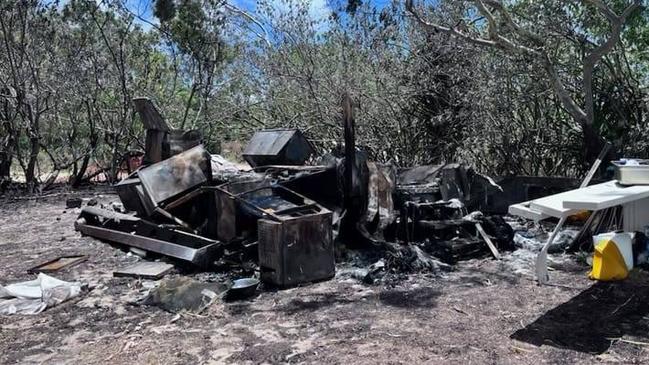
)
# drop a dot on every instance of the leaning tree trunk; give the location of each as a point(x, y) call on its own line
point(94, 139)
point(78, 177)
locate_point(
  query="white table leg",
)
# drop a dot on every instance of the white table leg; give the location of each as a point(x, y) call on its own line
point(542, 259)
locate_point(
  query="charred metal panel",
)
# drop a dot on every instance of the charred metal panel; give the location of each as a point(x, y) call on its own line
point(271, 253)
point(175, 175)
point(235, 219)
point(178, 141)
point(156, 129)
point(455, 183)
point(199, 256)
point(153, 146)
point(418, 175)
point(226, 216)
point(149, 114)
point(319, 185)
point(127, 190)
point(148, 205)
point(135, 232)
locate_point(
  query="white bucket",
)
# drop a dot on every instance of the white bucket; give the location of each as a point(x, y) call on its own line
point(624, 243)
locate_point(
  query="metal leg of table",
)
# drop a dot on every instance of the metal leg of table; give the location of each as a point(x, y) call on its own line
point(542, 259)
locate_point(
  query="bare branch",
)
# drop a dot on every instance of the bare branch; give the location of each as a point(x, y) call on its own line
point(492, 27)
point(496, 40)
point(247, 15)
point(603, 8)
point(513, 25)
point(617, 25)
point(433, 27)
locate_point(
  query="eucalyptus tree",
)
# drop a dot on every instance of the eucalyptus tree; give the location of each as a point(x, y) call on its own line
point(541, 32)
point(28, 33)
point(411, 94)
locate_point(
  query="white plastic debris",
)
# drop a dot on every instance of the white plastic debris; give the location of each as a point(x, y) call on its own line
point(33, 297)
point(221, 166)
point(630, 162)
point(533, 240)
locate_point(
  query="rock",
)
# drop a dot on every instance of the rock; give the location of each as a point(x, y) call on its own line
point(73, 203)
point(92, 202)
point(184, 294)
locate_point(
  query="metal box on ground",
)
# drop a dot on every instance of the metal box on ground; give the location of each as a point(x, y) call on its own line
point(296, 250)
point(278, 147)
point(294, 233)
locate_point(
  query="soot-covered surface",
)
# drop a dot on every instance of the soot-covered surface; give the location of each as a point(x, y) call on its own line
point(483, 312)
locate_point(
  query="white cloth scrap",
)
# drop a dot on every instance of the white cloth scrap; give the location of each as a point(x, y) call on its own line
point(33, 297)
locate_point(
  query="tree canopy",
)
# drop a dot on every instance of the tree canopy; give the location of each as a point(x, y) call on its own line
point(523, 87)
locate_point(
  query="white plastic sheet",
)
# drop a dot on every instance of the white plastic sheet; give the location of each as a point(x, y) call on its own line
point(33, 297)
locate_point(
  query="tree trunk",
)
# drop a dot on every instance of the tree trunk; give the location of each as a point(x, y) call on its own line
point(94, 139)
point(30, 176)
point(9, 142)
point(6, 157)
point(593, 143)
point(5, 169)
point(78, 177)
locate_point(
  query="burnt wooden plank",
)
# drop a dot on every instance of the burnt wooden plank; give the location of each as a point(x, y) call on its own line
point(58, 264)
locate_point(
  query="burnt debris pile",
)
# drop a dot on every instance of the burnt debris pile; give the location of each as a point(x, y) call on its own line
point(288, 213)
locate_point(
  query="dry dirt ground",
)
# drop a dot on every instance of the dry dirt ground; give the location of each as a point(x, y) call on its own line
point(481, 313)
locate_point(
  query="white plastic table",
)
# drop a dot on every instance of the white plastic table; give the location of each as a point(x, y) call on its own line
point(634, 200)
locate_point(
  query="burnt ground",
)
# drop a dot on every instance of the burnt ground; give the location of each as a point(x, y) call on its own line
point(482, 312)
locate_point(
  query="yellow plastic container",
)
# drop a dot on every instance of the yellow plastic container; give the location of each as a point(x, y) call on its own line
point(613, 257)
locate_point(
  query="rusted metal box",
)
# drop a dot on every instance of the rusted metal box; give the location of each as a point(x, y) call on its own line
point(296, 250)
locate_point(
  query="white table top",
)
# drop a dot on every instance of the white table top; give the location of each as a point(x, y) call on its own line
point(606, 195)
point(594, 197)
point(552, 205)
point(524, 210)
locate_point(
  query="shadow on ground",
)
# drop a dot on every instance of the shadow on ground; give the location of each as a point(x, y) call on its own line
point(315, 302)
point(410, 298)
point(589, 321)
